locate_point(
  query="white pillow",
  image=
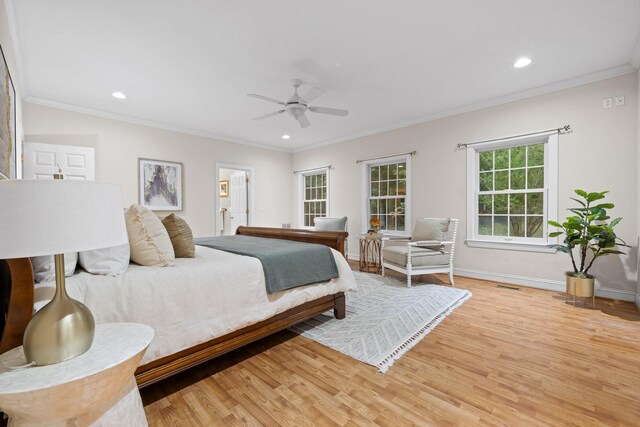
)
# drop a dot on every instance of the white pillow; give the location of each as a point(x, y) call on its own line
point(148, 238)
point(44, 269)
point(108, 261)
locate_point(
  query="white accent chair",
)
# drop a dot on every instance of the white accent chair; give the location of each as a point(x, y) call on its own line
point(333, 224)
point(427, 251)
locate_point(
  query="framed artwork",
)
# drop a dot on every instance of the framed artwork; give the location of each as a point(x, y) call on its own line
point(7, 122)
point(160, 185)
point(223, 187)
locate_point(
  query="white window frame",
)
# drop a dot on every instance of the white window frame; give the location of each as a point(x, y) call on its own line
point(301, 187)
point(366, 185)
point(550, 194)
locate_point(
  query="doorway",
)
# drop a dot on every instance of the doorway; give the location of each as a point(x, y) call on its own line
point(234, 198)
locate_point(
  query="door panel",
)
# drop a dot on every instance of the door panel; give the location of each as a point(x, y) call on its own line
point(41, 161)
point(238, 194)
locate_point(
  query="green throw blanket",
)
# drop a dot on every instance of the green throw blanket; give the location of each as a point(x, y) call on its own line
point(286, 264)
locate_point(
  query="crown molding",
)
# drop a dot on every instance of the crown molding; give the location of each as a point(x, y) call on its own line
point(541, 90)
point(149, 123)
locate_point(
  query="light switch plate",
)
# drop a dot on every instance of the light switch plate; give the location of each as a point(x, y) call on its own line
point(607, 103)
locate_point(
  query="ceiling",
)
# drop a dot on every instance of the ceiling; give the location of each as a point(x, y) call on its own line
point(189, 65)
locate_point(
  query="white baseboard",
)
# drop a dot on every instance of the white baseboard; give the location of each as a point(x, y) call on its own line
point(550, 285)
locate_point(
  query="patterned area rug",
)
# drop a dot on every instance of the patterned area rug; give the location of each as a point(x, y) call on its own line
point(384, 319)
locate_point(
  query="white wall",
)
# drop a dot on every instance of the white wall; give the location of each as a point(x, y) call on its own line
point(638, 197)
point(600, 154)
point(119, 145)
point(9, 56)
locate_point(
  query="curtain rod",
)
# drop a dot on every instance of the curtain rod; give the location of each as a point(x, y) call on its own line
point(563, 129)
point(413, 153)
point(312, 169)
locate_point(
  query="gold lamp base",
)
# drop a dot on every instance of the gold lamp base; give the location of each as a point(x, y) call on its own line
point(62, 329)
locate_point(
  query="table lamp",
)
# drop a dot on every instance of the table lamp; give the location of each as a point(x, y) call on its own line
point(51, 217)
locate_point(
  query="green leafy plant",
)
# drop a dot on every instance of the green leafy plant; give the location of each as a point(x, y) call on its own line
point(588, 231)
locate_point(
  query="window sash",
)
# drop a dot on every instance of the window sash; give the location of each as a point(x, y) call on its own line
point(309, 206)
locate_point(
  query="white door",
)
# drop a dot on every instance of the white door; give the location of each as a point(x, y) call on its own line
point(41, 161)
point(238, 193)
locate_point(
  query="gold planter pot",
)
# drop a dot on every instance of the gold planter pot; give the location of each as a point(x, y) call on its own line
point(583, 287)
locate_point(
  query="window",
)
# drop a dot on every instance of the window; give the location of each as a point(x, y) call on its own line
point(387, 190)
point(512, 192)
point(315, 195)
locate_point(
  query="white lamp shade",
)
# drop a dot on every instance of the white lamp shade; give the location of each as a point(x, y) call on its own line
point(47, 217)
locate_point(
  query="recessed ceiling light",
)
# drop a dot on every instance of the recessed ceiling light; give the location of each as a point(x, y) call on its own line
point(285, 136)
point(522, 62)
point(119, 95)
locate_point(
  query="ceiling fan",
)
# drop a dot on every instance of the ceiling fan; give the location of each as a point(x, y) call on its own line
point(297, 105)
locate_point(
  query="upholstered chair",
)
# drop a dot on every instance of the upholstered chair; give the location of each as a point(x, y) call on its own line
point(333, 224)
point(429, 249)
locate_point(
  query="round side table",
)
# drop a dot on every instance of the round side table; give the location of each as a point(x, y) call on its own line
point(97, 388)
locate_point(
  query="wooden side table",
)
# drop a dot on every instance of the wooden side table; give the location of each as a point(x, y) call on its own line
point(370, 254)
point(97, 388)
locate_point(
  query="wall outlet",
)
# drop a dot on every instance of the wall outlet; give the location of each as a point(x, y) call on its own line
point(619, 101)
point(607, 103)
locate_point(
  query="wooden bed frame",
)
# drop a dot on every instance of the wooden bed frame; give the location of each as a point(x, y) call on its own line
point(17, 297)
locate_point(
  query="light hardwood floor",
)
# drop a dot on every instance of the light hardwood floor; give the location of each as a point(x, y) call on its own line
point(505, 357)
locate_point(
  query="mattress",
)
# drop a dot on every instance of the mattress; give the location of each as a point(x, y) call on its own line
point(199, 299)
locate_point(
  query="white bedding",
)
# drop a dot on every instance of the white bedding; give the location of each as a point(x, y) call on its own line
point(199, 299)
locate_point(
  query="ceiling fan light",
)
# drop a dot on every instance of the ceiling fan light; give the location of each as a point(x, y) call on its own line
point(285, 136)
point(119, 95)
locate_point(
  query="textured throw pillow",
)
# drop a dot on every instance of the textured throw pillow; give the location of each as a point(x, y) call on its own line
point(44, 269)
point(330, 224)
point(430, 229)
point(108, 261)
point(180, 235)
point(148, 239)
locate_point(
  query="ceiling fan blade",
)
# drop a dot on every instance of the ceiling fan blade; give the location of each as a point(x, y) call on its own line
point(304, 121)
point(325, 110)
point(270, 115)
point(265, 98)
point(312, 94)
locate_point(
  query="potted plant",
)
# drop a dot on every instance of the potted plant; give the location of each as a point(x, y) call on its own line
point(374, 222)
point(592, 235)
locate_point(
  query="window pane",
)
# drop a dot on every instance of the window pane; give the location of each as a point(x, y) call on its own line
point(517, 179)
point(502, 158)
point(486, 160)
point(534, 226)
point(535, 178)
point(383, 188)
point(382, 205)
point(391, 224)
point(324, 179)
point(516, 204)
point(383, 222)
point(306, 221)
point(375, 173)
point(400, 223)
point(535, 204)
point(484, 204)
point(500, 203)
point(384, 172)
point(391, 206)
point(518, 157)
point(500, 225)
point(502, 180)
point(307, 194)
point(393, 188)
point(516, 226)
point(486, 181)
point(318, 207)
point(484, 225)
point(374, 189)
point(306, 207)
point(401, 206)
point(402, 187)
point(373, 207)
point(535, 155)
point(402, 170)
point(313, 180)
point(307, 180)
point(393, 171)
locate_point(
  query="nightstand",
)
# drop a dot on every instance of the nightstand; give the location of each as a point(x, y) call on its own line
point(96, 388)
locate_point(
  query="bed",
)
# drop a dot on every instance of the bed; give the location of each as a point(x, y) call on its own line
point(188, 305)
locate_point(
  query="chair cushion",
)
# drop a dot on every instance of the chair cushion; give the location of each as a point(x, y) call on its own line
point(431, 229)
point(420, 257)
point(330, 224)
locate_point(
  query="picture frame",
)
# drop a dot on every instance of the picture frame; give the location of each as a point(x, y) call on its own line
point(8, 138)
point(160, 185)
point(223, 188)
